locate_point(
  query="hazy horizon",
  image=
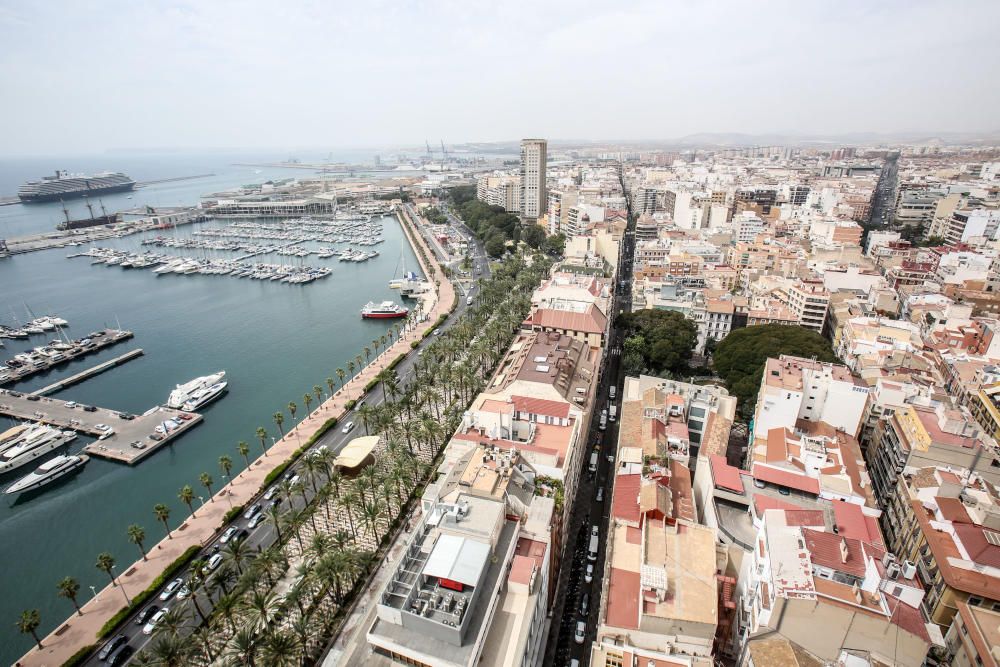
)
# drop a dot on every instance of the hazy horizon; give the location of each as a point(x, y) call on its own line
point(251, 76)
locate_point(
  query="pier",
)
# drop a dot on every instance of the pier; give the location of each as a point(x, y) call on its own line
point(98, 341)
point(132, 437)
point(90, 372)
point(142, 184)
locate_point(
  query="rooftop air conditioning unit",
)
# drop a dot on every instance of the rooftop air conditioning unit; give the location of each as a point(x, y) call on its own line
point(892, 571)
point(909, 569)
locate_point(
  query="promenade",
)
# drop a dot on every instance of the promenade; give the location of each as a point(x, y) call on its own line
point(79, 631)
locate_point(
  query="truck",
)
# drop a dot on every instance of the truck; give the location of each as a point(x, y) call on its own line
point(604, 420)
point(612, 412)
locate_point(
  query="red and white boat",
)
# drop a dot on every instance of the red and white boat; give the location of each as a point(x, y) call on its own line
point(384, 310)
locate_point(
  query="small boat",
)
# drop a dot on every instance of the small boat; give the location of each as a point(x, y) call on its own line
point(53, 469)
point(384, 310)
point(203, 397)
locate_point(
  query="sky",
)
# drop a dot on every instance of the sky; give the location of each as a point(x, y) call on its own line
point(81, 77)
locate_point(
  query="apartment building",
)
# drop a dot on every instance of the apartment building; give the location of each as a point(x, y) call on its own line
point(973, 639)
point(866, 341)
point(825, 592)
point(503, 191)
point(559, 201)
point(794, 389)
point(945, 523)
point(534, 200)
point(916, 436)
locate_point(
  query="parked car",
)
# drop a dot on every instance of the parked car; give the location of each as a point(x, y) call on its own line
point(228, 535)
point(588, 574)
point(581, 632)
point(252, 511)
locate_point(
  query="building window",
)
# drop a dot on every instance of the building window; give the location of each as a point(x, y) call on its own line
point(975, 601)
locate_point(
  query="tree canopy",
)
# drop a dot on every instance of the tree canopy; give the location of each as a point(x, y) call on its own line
point(533, 235)
point(662, 339)
point(739, 358)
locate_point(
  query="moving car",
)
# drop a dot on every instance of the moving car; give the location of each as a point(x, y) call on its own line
point(171, 588)
point(149, 627)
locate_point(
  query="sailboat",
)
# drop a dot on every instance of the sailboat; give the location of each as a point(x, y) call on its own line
point(409, 280)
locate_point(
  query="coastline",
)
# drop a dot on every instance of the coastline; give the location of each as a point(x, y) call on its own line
point(79, 631)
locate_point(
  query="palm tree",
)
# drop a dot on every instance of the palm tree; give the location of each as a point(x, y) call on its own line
point(341, 375)
point(68, 588)
point(365, 412)
point(207, 481)
point(236, 552)
point(106, 563)
point(226, 464)
point(186, 495)
point(260, 609)
point(291, 409)
point(350, 367)
point(307, 400)
point(348, 502)
point(262, 436)
point(276, 518)
point(318, 391)
point(242, 647)
point(359, 360)
point(279, 419)
point(244, 450)
point(28, 624)
point(227, 606)
point(281, 649)
point(372, 513)
point(330, 385)
point(173, 622)
point(162, 513)
point(136, 535)
point(166, 650)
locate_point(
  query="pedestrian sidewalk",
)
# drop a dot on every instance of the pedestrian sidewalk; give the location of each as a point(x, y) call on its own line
point(78, 631)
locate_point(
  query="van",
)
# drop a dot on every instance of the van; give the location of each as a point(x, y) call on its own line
point(593, 462)
point(612, 392)
point(595, 541)
point(348, 427)
point(604, 420)
point(612, 412)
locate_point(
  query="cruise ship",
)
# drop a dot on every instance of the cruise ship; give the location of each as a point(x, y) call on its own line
point(384, 310)
point(185, 392)
point(67, 186)
point(204, 396)
point(33, 443)
point(53, 469)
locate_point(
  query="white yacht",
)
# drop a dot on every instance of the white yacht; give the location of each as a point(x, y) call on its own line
point(12, 433)
point(204, 396)
point(185, 392)
point(48, 472)
point(33, 444)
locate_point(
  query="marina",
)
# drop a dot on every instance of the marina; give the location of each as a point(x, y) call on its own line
point(56, 353)
point(121, 436)
point(89, 373)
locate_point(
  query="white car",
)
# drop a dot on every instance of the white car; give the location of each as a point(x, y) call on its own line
point(228, 535)
point(70, 404)
point(102, 427)
point(149, 627)
point(580, 634)
point(348, 427)
point(256, 521)
point(171, 589)
point(213, 563)
point(588, 576)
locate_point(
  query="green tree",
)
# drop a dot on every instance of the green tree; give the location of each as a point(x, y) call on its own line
point(262, 436)
point(632, 354)
point(106, 563)
point(740, 357)
point(28, 624)
point(495, 246)
point(291, 409)
point(279, 419)
point(68, 588)
point(186, 496)
point(136, 535)
point(162, 513)
point(554, 245)
point(667, 336)
point(226, 463)
point(533, 235)
point(244, 450)
point(207, 481)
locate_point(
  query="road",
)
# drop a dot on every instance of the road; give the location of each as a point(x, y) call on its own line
point(263, 536)
point(884, 200)
point(587, 510)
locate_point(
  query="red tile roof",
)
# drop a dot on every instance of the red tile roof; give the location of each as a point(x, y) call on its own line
point(786, 478)
point(541, 406)
point(851, 522)
point(625, 501)
point(825, 550)
point(591, 320)
point(724, 475)
point(804, 518)
point(976, 545)
point(623, 599)
point(953, 510)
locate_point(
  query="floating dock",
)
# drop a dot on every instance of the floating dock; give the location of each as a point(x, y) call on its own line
point(98, 341)
point(126, 429)
point(89, 373)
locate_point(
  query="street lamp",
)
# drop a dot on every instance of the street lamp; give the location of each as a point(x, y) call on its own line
point(94, 591)
point(202, 501)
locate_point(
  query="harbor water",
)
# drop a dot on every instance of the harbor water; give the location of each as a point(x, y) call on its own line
point(274, 340)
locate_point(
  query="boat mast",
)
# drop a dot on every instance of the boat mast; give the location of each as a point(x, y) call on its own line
point(89, 207)
point(65, 211)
